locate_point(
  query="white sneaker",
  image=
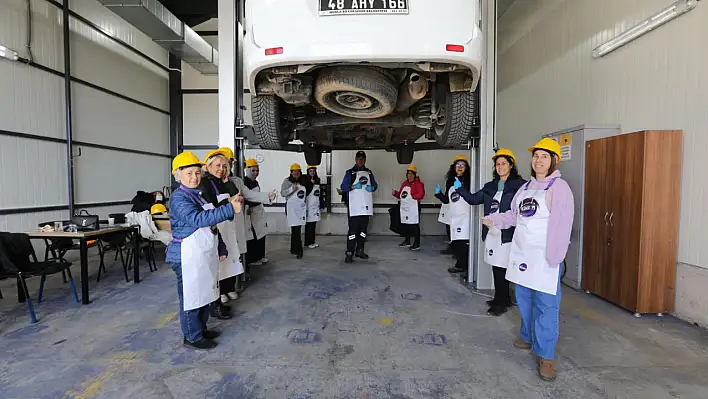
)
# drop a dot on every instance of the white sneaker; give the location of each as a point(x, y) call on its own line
point(264, 261)
point(224, 298)
point(232, 295)
point(257, 263)
point(313, 246)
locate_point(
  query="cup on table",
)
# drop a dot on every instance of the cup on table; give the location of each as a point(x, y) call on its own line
point(111, 221)
point(58, 226)
point(72, 228)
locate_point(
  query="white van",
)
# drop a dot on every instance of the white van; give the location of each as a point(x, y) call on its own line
point(362, 74)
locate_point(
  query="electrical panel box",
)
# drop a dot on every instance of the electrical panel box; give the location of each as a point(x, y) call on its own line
point(572, 168)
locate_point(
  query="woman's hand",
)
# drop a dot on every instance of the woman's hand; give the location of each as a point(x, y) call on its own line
point(394, 193)
point(222, 258)
point(294, 186)
point(437, 189)
point(272, 196)
point(236, 203)
point(487, 222)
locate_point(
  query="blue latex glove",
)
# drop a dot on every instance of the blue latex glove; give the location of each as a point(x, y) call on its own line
point(370, 189)
point(457, 184)
point(358, 186)
point(437, 189)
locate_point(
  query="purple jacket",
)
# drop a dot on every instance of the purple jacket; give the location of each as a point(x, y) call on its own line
point(561, 205)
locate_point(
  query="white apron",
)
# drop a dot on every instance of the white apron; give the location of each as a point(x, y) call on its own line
point(496, 253)
point(361, 202)
point(459, 216)
point(231, 266)
point(528, 266)
point(444, 215)
point(257, 220)
point(200, 265)
point(313, 205)
point(409, 207)
point(296, 208)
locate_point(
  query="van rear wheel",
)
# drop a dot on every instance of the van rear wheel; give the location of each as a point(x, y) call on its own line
point(456, 120)
point(268, 125)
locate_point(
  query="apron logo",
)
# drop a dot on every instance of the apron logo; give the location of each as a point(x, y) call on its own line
point(523, 267)
point(301, 194)
point(528, 207)
point(454, 197)
point(364, 180)
point(491, 252)
point(404, 194)
point(367, 207)
point(316, 193)
point(459, 230)
point(495, 206)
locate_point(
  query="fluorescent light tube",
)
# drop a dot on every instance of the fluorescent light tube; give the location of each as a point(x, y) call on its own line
point(8, 54)
point(667, 14)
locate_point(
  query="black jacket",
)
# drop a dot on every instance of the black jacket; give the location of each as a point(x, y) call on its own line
point(210, 194)
point(251, 184)
point(486, 195)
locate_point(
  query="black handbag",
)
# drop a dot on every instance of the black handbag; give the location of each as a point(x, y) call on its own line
point(85, 221)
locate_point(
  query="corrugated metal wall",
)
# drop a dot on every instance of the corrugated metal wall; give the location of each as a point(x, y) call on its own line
point(548, 81)
point(32, 102)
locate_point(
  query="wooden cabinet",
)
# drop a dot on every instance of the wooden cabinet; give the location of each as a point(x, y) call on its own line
point(630, 232)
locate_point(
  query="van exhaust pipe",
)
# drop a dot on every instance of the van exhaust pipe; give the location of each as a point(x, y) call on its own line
point(411, 91)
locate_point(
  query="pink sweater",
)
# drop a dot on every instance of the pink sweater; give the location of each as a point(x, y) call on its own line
point(561, 205)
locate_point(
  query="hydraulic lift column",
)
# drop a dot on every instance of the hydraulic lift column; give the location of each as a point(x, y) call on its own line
point(230, 80)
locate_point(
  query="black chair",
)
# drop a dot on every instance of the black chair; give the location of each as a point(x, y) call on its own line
point(18, 259)
point(119, 243)
point(146, 246)
point(59, 247)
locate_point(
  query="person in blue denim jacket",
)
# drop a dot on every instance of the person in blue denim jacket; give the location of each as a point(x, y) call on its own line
point(196, 249)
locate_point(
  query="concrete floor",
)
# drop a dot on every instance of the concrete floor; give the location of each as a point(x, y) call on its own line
point(395, 326)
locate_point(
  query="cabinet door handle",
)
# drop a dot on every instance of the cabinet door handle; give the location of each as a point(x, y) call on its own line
point(606, 213)
point(611, 215)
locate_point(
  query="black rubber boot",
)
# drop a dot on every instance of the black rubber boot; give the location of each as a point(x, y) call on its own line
point(455, 269)
point(349, 258)
point(210, 335)
point(405, 243)
point(220, 311)
point(361, 254)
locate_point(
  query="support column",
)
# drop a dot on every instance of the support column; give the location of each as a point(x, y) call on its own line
point(67, 105)
point(480, 272)
point(176, 105)
point(228, 44)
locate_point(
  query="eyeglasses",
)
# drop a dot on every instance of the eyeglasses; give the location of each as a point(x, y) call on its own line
point(460, 165)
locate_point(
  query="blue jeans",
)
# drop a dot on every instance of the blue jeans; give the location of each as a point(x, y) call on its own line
point(193, 322)
point(539, 319)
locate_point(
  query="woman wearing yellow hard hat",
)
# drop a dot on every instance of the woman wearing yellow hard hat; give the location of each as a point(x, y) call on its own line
point(542, 211)
point(496, 196)
point(295, 189)
point(256, 223)
point(315, 205)
point(410, 194)
point(248, 195)
point(458, 211)
point(196, 249)
point(217, 189)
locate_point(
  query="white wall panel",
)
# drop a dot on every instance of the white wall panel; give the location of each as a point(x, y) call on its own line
point(30, 221)
point(105, 176)
point(201, 119)
point(97, 64)
point(46, 31)
point(34, 173)
point(193, 79)
point(548, 81)
point(105, 119)
point(101, 16)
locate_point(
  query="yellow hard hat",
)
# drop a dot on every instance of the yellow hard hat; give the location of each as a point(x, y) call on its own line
point(504, 152)
point(311, 167)
point(295, 166)
point(461, 158)
point(548, 145)
point(214, 153)
point(251, 163)
point(157, 208)
point(412, 168)
point(228, 153)
point(186, 158)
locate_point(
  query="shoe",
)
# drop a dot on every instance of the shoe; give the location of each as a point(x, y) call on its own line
point(232, 295)
point(202, 344)
point(521, 344)
point(496, 310)
point(490, 302)
point(313, 246)
point(264, 261)
point(256, 263)
point(415, 247)
point(446, 251)
point(405, 243)
point(349, 259)
point(219, 312)
point(299, 256)
point(210, 335)
point(547, 369)
point(224, 298)
point(455, 270)
point(362, 255)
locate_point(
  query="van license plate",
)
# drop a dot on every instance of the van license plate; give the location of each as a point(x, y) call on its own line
point(350, 7)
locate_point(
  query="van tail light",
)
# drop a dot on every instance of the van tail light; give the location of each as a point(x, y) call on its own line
point(274, 51)
point(456, 48)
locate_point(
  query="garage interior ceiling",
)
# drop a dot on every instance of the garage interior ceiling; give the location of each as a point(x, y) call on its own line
point(192, 12)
